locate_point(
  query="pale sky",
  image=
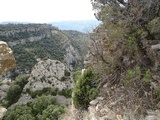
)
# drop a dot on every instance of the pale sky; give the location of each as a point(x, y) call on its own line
point(45, 10)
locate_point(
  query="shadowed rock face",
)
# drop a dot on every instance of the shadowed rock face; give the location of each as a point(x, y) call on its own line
point(7, 60)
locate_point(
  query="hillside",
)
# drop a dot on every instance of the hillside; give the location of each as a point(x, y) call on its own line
point(79, 25)
point(45, 57)
point(31, 42)
point(28, 96)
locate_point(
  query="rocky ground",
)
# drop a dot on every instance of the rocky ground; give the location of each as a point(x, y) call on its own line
point(111, 107)
point(47, 74)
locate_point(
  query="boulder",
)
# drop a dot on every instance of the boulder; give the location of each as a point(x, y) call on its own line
point(7, 60)
point(155, 47)
point(2, 112)
point(49, 74)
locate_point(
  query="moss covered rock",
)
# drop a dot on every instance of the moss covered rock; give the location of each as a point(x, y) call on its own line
point(7, 60)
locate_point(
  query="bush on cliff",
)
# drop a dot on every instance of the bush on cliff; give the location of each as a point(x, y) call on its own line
point(85, 89)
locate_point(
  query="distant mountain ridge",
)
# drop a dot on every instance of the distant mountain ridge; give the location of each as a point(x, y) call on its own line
point(82, 26)
point(79, 25)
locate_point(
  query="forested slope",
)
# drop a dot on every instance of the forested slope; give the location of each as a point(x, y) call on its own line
point(31, 42)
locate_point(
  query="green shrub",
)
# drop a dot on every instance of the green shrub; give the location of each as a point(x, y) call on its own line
point(153, 26)
point(67, 73)
point(41, 104)
point(44, 91)
point(21, 112)
point(15, 90)
point(157, 92)
point(22, 80)
point(147, 77)
point(85, 89)
point(76, 75)
point(53, 112)
point(63, 78)
point(131, 74)
point(43, 108)
point(66, 92)
point(13, 94)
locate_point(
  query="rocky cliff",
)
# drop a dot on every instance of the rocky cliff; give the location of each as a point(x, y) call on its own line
point(21, 33)
point(49, 73)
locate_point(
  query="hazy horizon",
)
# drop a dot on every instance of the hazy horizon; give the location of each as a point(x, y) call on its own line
point(78, 25)
point(48, 22)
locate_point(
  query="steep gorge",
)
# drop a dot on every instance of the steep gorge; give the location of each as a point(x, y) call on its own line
point(30, 42)
point(45, 56)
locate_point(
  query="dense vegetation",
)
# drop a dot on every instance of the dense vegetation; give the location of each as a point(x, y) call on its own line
point(78, 40)
point(15, 89)
point(122, 55)
point(50, 91)
point(27, 54)
point(123, 48)
point(86, 89)
point(43, 108)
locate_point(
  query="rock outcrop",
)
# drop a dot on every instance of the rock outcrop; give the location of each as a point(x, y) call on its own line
point(7, 61)
point(71, 57)
point(15, 34)
point(101, 110)
point(49, 73)
point(4, 86)
point(2, 112)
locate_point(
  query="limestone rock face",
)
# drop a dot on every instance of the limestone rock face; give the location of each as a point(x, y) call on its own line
point(4, 86)
point(2, 112)
point(7, 60)
point(72, 56)
point(49, 74)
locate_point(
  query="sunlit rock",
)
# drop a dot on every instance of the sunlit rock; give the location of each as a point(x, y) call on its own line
point(49, 74)
point(2, 112)
point(7, 60)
